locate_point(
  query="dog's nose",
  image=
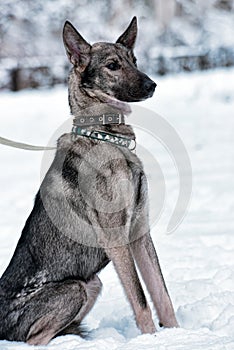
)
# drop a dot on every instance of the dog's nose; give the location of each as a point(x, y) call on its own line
point(150, 86)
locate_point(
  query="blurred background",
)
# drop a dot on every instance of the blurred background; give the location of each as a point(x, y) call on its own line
point(174, 35)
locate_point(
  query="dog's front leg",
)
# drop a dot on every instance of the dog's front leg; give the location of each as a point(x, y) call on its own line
point(125, 267)
point(147, 261)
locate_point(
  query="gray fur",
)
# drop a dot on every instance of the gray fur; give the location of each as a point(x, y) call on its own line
point(92, 207)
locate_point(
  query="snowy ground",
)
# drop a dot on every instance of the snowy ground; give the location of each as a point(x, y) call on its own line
point(197, 259)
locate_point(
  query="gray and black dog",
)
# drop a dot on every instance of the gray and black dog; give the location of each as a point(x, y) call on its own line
point(92, 207)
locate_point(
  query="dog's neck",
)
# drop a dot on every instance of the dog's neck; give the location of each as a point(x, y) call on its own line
point(86, 102)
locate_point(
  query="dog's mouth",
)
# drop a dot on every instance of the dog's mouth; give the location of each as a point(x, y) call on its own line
point(140, 93)
point(146, 95)
point(136, 97)
point(118, 99)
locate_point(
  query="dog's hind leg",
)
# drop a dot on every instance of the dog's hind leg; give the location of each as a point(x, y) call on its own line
point(125, 267)
point(57, 307)
point(147, 261)
point(92, 289)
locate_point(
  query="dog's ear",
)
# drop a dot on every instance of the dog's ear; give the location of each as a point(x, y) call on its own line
point(77, 48)
point(128, 38)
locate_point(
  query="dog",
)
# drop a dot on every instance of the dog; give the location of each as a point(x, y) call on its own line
point(91, 208)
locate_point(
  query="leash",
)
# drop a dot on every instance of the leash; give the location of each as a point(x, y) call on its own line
point(25, 146)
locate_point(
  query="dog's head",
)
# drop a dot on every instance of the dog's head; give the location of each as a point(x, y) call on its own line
point(109, 68)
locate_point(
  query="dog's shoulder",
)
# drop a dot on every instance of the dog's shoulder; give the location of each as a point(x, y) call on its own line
point(98, 157)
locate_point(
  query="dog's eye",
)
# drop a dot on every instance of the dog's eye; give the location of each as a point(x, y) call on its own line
point(113, 66)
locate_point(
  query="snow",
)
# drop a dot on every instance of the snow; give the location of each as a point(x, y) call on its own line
point(197, 259)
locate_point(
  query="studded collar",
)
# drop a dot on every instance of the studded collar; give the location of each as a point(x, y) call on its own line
point(117, 140)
